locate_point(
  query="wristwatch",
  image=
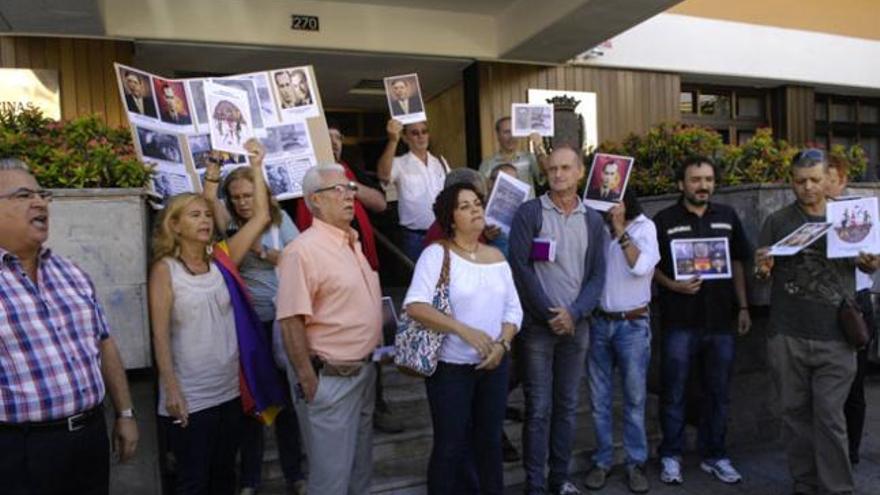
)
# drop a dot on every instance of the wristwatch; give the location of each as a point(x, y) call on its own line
point(125, 413)
point(504, 343)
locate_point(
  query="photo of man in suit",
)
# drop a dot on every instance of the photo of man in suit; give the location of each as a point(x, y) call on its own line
point(608, 178)
point(172, 104)
point(293, 88)
point(404, 98)
point(138, 93)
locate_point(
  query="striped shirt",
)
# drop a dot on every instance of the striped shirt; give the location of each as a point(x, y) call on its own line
point(50, 335)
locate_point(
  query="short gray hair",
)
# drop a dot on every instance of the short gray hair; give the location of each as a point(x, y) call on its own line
point(314, 180)
point(464, 175)
point(8, 163)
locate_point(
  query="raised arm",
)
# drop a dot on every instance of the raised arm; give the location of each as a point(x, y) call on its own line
point(383, 168)
point(210, 190)
point(247, 234)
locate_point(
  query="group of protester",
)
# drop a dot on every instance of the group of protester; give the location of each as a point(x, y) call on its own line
point(515, 315)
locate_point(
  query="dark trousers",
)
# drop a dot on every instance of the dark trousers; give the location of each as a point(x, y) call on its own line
point(714, 352)
point(205, 450)
point(467, 411)
point(855, 405)
point(53, 461)
point(287, 438)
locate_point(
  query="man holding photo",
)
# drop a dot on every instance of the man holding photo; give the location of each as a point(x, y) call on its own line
point(525, 163)
point(697, 320)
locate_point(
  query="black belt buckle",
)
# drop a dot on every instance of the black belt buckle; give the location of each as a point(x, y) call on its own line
point(76, 422)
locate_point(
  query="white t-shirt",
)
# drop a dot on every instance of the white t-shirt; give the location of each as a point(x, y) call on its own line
point(481, 296)
point(417, 187)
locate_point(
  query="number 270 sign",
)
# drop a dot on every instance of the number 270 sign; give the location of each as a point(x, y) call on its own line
point(304, 23)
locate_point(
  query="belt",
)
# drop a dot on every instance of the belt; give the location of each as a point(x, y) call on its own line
point(417, 231)
point(339, 368)
point(633, 314)
point(72, 423)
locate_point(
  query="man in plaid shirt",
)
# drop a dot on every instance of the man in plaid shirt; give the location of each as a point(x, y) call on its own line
point(55, 357)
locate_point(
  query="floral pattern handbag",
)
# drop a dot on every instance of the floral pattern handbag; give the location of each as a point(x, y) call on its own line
point(416, 347)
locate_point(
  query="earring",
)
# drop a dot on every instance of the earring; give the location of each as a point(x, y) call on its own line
point(209, 250)
point(176, 250)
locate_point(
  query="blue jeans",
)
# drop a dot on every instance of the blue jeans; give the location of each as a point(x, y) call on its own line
point(467, 412)
point(625, 344)
point(554, 367)
point(412, 242)
point(716, 353)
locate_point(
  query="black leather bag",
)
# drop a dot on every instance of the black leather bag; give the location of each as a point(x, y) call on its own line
point(849, 316)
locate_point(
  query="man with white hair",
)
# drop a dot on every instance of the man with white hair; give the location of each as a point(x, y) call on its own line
point(329, 307)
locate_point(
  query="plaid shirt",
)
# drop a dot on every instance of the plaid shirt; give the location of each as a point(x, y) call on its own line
point(50, 335)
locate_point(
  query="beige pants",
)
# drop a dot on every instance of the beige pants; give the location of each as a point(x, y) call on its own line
point(337, 432)
point(814, 377)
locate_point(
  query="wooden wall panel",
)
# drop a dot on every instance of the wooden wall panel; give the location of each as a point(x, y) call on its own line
point(446, 122)
point(627, 101)
point(85, 71)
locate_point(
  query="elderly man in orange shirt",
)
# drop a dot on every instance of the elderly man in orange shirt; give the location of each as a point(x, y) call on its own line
point(329, 307)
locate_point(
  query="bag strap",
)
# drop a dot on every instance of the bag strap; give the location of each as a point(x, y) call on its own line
point(444, 271)
point(276, 237)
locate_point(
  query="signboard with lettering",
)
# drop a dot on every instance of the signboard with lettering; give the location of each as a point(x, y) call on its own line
point(20, 88)
point(304, 23)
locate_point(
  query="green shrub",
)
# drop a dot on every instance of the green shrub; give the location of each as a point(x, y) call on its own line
point(760, 160)
point(80, 153)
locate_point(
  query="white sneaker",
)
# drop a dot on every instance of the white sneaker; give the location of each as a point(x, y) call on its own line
point(722, 469)
point(671, 471)
point(568, 488)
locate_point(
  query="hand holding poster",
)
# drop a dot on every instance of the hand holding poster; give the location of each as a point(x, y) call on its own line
point(706, 258)
point(405, 98)
point(532, 117)
point(854, 227)
point(802, 237)
point(506, 197)
point(229, 117)
point(607, 181)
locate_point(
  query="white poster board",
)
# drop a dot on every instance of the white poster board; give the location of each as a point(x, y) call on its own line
point(508, 194)
point(802, 237)
point(854, 227)
point(527, 118)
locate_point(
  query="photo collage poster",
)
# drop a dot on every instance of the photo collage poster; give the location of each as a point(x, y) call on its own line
point(177, 123)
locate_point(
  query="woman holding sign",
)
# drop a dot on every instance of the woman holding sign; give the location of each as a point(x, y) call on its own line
point(467, 393)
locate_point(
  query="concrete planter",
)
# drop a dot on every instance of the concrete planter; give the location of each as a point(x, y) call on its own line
point(106, 233)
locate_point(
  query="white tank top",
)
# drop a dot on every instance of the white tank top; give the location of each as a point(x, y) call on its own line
point(204, 346)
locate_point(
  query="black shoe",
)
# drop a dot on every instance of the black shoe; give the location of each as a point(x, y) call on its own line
point(508, 451)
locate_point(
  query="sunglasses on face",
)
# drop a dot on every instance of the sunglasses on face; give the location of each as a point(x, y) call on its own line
point(25, 194)
point(341, 188)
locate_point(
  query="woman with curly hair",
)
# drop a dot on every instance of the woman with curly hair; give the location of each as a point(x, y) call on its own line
point(204, 332)
point(467, 393)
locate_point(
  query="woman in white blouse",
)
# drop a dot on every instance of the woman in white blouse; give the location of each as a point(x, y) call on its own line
point(468, 392)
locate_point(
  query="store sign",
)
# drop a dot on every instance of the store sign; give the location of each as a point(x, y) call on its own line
point(21, 88)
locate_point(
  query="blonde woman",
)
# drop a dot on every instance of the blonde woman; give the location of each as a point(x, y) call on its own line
point(201, 317)
point(258, 272)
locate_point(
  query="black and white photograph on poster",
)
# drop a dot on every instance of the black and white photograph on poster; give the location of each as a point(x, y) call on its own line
point(200, 110)
point(247, 85)
point(531, 117)
point(284, 174)
point(507, 195)
point(168, 182)
point(854, 227)
point(137, 91)
point(295, 91)
point(159, 145)
point(229, 118)
point(802, 237)
point(705, 258)
point(607, 181)
point(404, 97)
point(200, 148)
point(264, 95)
point(173, 104)
point(288, 138)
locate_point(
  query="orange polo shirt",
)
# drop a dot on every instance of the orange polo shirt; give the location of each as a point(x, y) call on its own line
point(324, 277)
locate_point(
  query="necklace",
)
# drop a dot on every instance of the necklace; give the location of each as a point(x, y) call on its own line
point(188, 269)
point(472, 254)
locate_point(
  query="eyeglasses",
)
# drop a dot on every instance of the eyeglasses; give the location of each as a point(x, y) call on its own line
point(340, 188)
point(25, 194)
